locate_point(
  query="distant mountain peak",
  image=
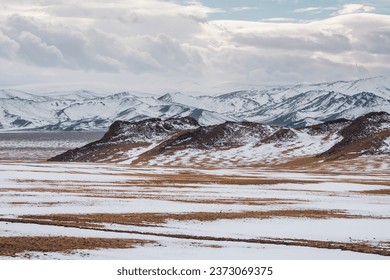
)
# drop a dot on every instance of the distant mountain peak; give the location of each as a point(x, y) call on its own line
point(286, 105)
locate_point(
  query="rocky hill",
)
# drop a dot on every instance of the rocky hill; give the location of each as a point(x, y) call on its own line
point(182, 141)
point(124, 139)
point(367, 135)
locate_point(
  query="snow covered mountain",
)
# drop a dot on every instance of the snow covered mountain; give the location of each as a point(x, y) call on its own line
point(292, 106)
point(85, 110)
point(182, 141)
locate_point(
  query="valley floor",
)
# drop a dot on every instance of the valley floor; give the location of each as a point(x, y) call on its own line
point(112, 211)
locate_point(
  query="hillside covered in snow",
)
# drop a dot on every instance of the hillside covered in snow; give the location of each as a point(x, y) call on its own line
point(183, 142)
point(290, 106)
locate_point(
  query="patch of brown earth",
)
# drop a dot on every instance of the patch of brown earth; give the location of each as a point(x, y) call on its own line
point(170, 180)
point(215, 179)
point(227, 201)
point(367, 182)
point(367, 165)
point(42, 204)
point(376, 192)
point(243, 201)
point(10, 246)
point(141, 219)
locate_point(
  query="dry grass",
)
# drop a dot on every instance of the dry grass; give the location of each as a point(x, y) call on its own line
point(225, 201)
point(370, 165)
point(142, 219)
point(38, 204)
point(381, 248)
point(243, 201)
point(154, 186)
point(367, 182)
point(189, 178)
point(171, 180)
point(376, 192)
point(10, 246)
point(194, 180)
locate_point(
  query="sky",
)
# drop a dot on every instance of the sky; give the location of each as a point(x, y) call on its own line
point(290, 10)
point(191, 46)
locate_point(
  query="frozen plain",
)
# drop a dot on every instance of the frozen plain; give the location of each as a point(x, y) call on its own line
point(185, 213)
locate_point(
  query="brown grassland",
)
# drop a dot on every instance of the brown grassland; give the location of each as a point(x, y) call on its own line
point(199, 188)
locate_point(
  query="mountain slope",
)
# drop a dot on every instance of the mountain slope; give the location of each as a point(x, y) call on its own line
point(291, 106)
point(88, 111)
point(367, 135)
point(182, 141)
point(126, 139)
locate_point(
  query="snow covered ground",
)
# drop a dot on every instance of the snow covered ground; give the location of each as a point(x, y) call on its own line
point(232, 213)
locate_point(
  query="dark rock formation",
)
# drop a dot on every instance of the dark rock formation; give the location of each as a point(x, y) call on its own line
point(365, 135)
point(146, 139)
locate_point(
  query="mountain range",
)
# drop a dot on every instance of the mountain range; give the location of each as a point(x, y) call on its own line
point(184, 142)
point(288, 106)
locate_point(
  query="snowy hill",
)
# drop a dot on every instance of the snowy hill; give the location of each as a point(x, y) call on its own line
point(89, 111)
point(182, 141)
point(292, 106)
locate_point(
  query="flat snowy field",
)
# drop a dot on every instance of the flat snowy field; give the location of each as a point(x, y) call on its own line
point(97, 211)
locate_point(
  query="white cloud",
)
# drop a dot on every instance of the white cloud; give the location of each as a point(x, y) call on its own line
point(279, 20)
point(8, 47)
point(308, 9)
point(355, 8)
point(150, 44)
point(33, 49)
point(314, 10)
point(240, 9)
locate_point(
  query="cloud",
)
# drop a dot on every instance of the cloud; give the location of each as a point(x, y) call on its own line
point(33, 49)
point(279, 20)
point(240, 9)
point(328, 49)
point(355, 8)
point(8, 47)
point(308, 9)
point(316, 41)
point(146, 45)
point(314, 10)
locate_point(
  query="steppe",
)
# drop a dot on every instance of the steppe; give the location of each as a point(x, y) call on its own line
point(332, 210)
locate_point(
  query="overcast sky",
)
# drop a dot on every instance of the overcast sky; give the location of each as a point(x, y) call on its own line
point(156, 46)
